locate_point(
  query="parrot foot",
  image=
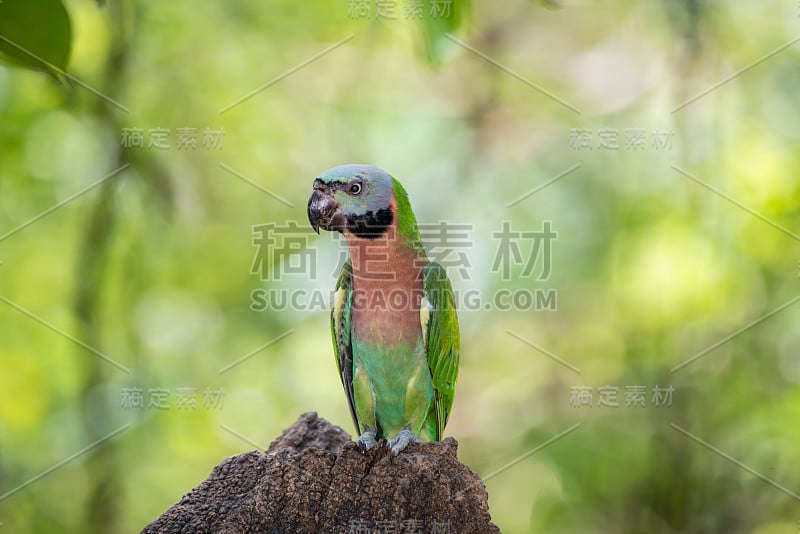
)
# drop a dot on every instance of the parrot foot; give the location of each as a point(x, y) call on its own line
point(401, 441)
point(367, 440)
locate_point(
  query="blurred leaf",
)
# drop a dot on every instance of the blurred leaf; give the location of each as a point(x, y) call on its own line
point(35, 33)
point(439, 18)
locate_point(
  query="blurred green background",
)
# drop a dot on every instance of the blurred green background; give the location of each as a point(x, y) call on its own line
point(672, 243)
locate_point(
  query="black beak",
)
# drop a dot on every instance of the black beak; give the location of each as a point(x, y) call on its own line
point(322, 211)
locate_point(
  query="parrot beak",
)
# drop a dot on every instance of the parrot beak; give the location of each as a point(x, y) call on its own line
point(323, 210)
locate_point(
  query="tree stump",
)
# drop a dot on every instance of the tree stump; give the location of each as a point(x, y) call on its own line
point(313, 478)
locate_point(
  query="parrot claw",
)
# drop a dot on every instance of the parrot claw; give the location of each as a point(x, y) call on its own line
point(367, 441)
point(401, 441)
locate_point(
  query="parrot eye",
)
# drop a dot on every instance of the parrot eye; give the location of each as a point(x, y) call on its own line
point(355, 188)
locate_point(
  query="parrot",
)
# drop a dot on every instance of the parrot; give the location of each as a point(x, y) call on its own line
point(394, 324)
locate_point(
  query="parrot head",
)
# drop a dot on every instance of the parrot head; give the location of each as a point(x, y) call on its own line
point(352, 198)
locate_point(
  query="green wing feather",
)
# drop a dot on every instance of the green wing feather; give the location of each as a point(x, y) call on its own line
point(442, 341)
point(340, 332)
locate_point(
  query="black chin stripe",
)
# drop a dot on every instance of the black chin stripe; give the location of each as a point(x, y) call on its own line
point(370, 225)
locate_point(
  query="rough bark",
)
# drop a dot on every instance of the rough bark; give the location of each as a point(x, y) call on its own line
point(314, 479)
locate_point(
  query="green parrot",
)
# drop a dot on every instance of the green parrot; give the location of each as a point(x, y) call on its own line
point(394, 324)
